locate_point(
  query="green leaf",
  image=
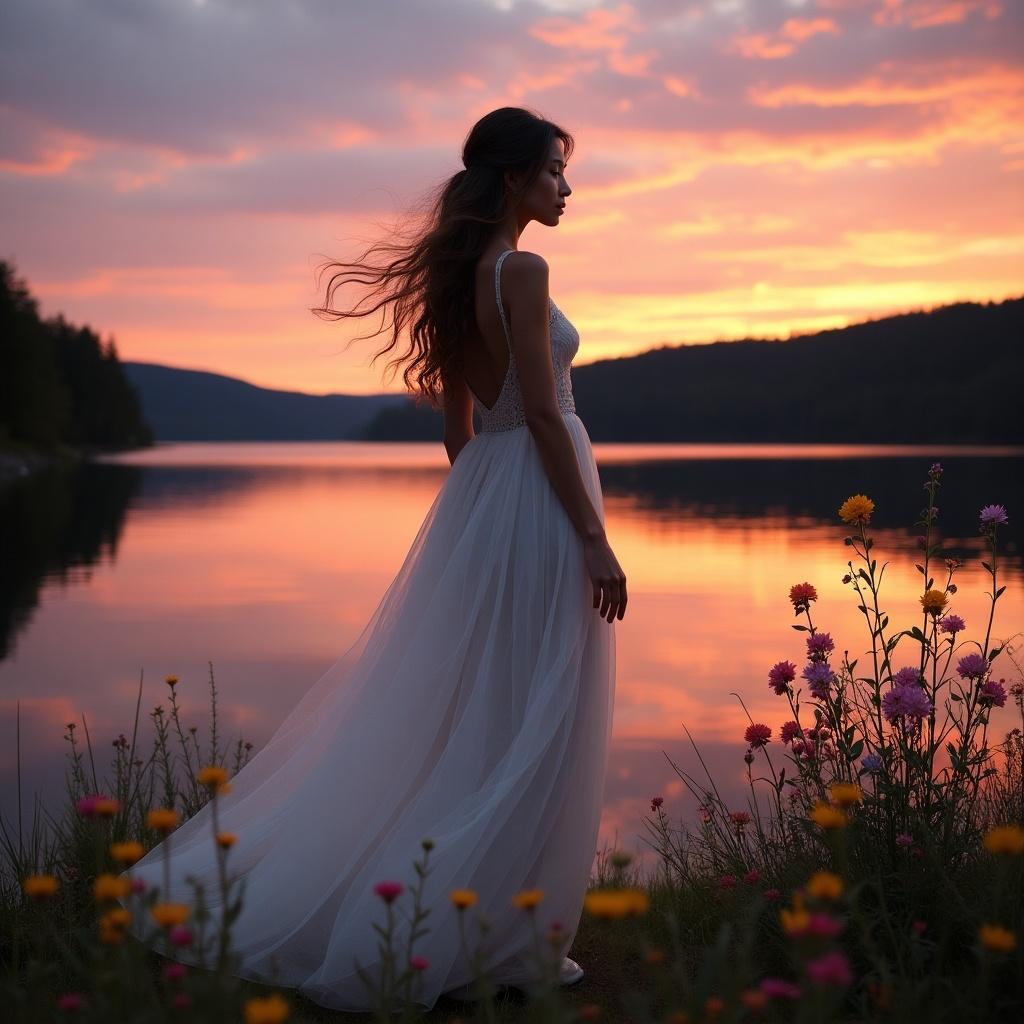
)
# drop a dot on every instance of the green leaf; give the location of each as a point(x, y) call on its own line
point(919, 568)
point(803, 629)
point(855, 750)
point(956, 697)
point(992, 654)
point(998, 592)
point(987, 566)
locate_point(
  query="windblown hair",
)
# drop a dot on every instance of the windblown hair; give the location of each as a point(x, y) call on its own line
point(428, 279)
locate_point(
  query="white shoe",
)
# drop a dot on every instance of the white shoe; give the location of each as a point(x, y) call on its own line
point(569, 973)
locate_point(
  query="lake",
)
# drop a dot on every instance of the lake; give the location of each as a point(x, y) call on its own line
point(266, 559)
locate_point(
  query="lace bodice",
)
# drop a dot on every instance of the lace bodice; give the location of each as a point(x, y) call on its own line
point(507, 411)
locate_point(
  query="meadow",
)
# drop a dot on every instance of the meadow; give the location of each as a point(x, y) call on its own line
point(875, 872)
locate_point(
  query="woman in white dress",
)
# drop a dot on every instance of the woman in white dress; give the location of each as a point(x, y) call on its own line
point(474, 708)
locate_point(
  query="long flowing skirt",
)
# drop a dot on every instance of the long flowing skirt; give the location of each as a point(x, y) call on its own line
point(474, 709)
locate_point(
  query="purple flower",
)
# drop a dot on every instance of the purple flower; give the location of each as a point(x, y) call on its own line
point(904, 839)
point(990, 692)
point(830, 968)
point(972, 666)
point(819, 675)
point(819, 646)
point(993, 515)
point(907, 677)
point(936, 469)
point(909, 703)
point(780, 675)
point(779, 988)
point(872, 762)
point(952, 624)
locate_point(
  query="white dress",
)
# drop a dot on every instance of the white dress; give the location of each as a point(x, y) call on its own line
point(474, 708)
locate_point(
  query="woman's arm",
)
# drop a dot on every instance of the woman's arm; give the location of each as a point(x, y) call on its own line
point(458, 417)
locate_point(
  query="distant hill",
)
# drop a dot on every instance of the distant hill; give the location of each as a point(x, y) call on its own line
point(193, 405)
point(951, 375)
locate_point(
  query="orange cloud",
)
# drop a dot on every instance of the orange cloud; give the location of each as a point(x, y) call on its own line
point(929, 13)
point(765, 46)
point(595, 30)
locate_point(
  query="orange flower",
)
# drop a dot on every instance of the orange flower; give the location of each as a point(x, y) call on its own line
point(106, 807)
point(167, 915)
point(528, 898)
point(795, 921)
point(110, 887)
point(113, 924)
point(163, 819)
point(463, 898)
point(1005, 839)
point(827, 816)
point(171, 681)
point(128, 852)
point(272, 1009)
point(823, 885)
point(40, 887)
point(846, 794)
point(225, 840)
point(212, 776)
point(934, 601)
point(857, 509)
point(997, 939)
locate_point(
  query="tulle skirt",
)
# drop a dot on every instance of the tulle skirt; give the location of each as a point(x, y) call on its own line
point(473, 709)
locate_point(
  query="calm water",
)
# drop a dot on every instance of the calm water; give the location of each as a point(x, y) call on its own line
point(267, 559)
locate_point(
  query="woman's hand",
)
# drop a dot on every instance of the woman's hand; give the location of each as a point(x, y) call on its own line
point(607, 577)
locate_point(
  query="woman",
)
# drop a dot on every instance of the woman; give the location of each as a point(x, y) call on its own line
point(474, 709)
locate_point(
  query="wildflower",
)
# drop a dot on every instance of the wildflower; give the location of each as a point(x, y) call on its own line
point(819, 646)
point(727, 882)
point(589, 1011)
point(771, 895)
point(918, 927)
point(713, 1006)
point(171, 681)
point(272, 1009)
point(779, 988)
point(992, 693)
point(993, 515)
point(845, 794)
point(86, 806)
point(419, 963)
point(794, 921)
point(752, 877)
point(780, 675)
point(904, 839)
point(805, 750)
point(389, 891)
point(824, 926)
point(463, 898)
point(110, 887)
point(656, 802)
point(527, 899)
point(788, 731)
point(112, 926)
point(857, 509)
point(908, 676)
point(128, 852)
point(181, 1000)
point(757, 735)
point(819, 675)
point(872, 762)
point(830, 968)
point(826, 816)
point(163, 819)
point(614, 903)
point(70, 1002)
point(802, 594)
point(753, 999)
point(972, 666)
point(40, 887)
point(105, 807)
point(138, 885)
point(996, 938)
point(952, 624)
point(1005, 839)
point(174, 971)
point(180, 936)
point(748, 757)
point(934, 602)
point(225, 840)
point(909, 703)
point(655, 956)
point(740, 818)
point(167, 915)
point(936, 469)
point(824, 885)
point(213, 776)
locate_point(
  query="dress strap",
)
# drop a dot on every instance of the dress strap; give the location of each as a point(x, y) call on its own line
point(497, 292)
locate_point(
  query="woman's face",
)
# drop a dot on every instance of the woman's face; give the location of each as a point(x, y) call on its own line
point(544, 199)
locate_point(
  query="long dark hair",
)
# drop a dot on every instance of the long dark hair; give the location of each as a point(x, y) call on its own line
point(428, 279)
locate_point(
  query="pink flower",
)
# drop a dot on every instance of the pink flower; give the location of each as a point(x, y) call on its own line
point(138, 885)
point(181, 1001)
point(70, 1002)
point(990, 692)
point(824, 926)
point(802, 594)
point(830, 968)
point(904, 839)
point(788, 731)
point(771, 895)
point(740, 818)
point(86, 807)
point(780, 675)
point(757, 735)
point(174, 971)
point(752, 877)
point(727, 882)
point(778, 988)
point(180, 936)
point(418, 963)
point(919, 927)
point(389, 891)
point(656, 802)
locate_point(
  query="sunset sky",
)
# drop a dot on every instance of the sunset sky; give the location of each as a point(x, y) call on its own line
point(174, 170)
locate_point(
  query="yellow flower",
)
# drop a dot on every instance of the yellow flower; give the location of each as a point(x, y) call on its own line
point(846, 794)
point(225, 840)
point(823, 885)
point(615, 903)
point(1006, 839)
point(128, 852)
point(40, 886)
point(463, 898)
point(110, 887)
point(655, 956)
point(996, 938)
point(163, 819)
point(212, 776)
point(171, 681)
point(795, 921)
point(637, 901)
point(857, 509)
point(272, 1009)
point(167, 915)
point(528, 898)
point(934, 601)
point(113, 924)
point(107, 808)
point(827, 816)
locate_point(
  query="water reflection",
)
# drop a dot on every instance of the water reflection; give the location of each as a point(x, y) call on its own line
point(267, 560)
